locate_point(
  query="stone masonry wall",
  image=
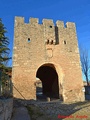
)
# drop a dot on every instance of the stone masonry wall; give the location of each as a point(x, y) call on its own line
point(6, 108)
point(47, 44)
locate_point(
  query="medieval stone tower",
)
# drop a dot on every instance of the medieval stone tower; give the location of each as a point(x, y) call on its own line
point(48, 52)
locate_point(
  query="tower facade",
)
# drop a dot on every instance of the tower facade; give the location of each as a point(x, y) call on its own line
point(48, 52)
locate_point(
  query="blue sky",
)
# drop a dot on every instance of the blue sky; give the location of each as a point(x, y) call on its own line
point(77, 11)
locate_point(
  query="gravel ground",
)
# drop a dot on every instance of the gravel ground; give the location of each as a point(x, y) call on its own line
point(59, 111)
point(20, 113)
point(54, 110)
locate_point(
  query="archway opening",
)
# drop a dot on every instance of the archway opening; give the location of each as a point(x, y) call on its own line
point(49, 79)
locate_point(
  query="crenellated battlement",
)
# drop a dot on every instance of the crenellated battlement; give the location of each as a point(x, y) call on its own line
point(33, 20)
point(19, 20)
point(60, 24)
point(45, 22)
point(70, 25)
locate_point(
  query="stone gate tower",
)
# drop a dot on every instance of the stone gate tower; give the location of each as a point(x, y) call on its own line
point(48, 52)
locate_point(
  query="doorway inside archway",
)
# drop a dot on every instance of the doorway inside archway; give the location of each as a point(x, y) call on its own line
point(48, 81)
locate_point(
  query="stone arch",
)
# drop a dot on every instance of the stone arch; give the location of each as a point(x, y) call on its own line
point(51, 76)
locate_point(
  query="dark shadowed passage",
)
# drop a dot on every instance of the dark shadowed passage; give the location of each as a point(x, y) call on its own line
point(49, 78)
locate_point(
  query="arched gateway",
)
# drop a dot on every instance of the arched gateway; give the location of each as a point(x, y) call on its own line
point(49, 53)
point(50, 81)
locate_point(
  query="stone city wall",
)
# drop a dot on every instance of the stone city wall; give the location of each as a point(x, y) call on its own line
point(6, 108)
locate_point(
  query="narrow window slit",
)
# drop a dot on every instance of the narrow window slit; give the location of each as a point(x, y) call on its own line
point(29, 40)
point(65, 42)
